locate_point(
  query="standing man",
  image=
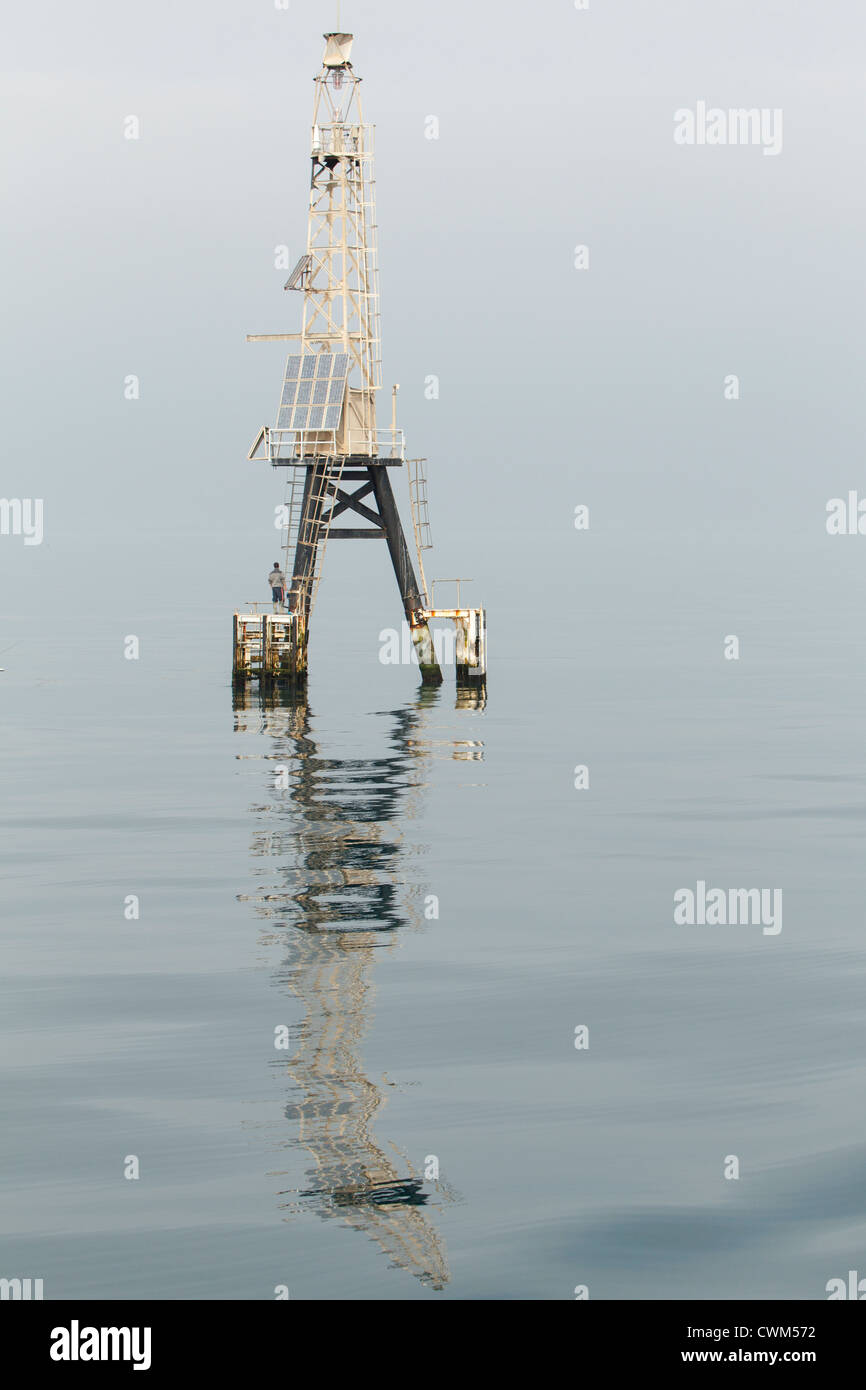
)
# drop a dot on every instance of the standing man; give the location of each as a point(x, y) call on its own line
point(277, 581)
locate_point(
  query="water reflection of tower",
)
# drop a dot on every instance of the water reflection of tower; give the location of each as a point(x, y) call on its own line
point(336, 842)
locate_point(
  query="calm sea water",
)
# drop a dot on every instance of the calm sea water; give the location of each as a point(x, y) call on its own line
point(415, 903)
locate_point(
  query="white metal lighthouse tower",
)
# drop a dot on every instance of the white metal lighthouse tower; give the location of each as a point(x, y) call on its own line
point(326, 433)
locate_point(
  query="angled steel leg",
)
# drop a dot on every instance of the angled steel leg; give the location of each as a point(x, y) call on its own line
point(413, 603)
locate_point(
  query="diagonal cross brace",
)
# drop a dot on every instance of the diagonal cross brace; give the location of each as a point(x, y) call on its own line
point(317, 488)
point(350, 501)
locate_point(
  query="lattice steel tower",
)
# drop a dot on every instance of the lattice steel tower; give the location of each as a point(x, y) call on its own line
point(326, 432)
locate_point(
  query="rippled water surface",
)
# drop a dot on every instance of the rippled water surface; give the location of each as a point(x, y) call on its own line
point(339, 1037)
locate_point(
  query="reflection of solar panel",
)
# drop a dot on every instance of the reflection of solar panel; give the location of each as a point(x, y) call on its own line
point(313, 390)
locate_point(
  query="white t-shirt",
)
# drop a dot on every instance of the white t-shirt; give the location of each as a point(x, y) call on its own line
point(277, 579)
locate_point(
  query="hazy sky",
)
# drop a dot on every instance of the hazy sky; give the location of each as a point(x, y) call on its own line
point(156, 257)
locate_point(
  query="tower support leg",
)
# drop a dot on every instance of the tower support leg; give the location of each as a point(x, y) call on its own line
point(305, 549)
point(299, 596)
point(413, 603)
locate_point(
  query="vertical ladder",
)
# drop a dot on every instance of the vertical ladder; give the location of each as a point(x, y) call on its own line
point(294, 494)
point(420, 514)
point(312, 529)
point(330, 483)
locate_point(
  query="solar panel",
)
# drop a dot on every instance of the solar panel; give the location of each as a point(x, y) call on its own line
point(313, 390)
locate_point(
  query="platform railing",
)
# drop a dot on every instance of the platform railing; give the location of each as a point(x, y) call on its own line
point(296, 446)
